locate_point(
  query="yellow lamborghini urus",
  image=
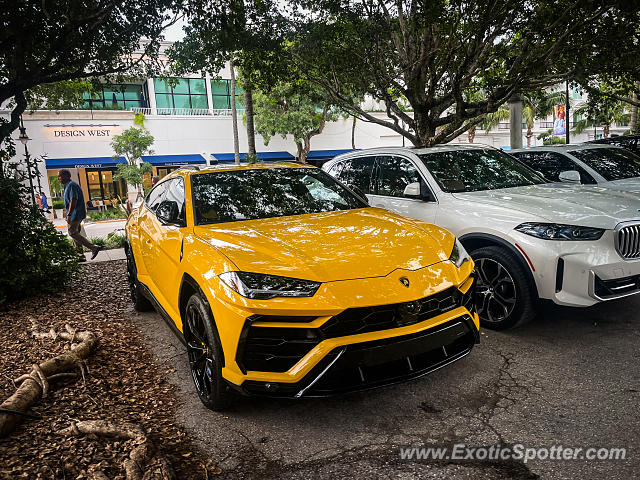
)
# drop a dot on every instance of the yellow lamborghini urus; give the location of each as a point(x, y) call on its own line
point(283, 282)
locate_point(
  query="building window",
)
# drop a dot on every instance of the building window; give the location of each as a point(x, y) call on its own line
point(103, 187)
point(220, 93)
point(183, 93)
point(115, 97)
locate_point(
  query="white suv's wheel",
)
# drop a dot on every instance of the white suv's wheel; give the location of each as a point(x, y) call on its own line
point(503, 294)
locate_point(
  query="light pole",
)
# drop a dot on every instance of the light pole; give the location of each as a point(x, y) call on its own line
point(566, 113)
point(24, 138)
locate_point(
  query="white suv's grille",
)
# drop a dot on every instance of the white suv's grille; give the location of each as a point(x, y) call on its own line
point(628, 240)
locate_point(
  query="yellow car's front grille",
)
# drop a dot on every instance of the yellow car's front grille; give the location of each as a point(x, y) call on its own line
point(381, 362)
point(277, 349)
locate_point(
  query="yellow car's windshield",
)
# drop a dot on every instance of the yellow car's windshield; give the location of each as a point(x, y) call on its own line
point(228, 196)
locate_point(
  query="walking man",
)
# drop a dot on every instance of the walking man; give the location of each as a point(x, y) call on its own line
point(76, 212)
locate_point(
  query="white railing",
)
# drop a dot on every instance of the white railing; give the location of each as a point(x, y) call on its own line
point(185, 112)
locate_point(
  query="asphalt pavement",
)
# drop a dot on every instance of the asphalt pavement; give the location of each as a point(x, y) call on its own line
point(571, 377)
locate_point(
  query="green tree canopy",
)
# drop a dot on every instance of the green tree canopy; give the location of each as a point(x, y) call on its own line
point(292, 109)
point(423, 56)
point(132, 143)
point(48, 42)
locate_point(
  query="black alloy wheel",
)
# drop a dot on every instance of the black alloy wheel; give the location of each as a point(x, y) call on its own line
point(140, 302)
point(503, 295)
point(204, 354)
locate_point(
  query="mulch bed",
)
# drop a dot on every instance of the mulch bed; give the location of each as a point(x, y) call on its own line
point(124, 384)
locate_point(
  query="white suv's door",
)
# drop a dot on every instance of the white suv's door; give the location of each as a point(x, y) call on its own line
point(392, 174)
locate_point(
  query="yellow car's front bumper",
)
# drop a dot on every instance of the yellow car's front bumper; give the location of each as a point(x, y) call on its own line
point(317, 352)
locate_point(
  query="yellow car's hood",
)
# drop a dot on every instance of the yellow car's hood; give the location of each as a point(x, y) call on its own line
point(324, 247)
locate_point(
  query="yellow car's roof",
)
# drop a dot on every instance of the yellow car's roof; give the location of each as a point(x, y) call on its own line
point(245, 166)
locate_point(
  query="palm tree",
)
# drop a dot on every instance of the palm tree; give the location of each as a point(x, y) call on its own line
point(602, 111)
point(492, 120)
point(536, 106)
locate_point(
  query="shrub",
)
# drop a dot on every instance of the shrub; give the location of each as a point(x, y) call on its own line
point(34, 257)
point(115, 213)
point(99, 241)
point(115, 240)
point(58, 204)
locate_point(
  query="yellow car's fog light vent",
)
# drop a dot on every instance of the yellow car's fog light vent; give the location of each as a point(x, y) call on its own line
point(383, 317)
point(280, 318)
point(269, 349)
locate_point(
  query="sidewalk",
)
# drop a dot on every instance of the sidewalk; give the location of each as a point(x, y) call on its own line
point(94, 229)
point(107, 255)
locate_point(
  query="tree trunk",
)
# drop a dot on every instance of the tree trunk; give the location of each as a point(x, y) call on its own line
point(353, 133)
point(305, 149)
point(248, 110)
point(529, 135)
point(7, 128)
point(300, 156)
point(234, 113)
point(425, 132)
point(471, 134)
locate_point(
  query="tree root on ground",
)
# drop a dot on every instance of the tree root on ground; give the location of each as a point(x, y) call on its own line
point(144, 462)
point(35, 384)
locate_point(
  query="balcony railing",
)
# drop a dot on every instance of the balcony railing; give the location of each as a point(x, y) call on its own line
point(506, 126)
point(186, 112)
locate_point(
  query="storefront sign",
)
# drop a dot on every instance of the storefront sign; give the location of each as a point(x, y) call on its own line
point(82, 133)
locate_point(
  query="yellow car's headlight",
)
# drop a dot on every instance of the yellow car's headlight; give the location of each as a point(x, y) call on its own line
point(458, 255)
point(264, 287)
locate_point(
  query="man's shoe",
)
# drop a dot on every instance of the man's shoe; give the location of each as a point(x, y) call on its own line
point(95, 252)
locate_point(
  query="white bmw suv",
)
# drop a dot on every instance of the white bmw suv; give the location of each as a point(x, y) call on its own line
point(573, 244)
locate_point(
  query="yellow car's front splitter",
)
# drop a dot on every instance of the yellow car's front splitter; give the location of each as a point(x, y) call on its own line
point(372, 359)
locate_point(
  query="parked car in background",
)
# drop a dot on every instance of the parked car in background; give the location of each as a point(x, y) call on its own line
point(575, 245)
point(282, 282)
point(587, 163)
point(630, 142)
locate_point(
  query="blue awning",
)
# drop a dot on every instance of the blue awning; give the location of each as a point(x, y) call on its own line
point(83, 162)
point(168, 160)
point(321, 154)
point(267, 156)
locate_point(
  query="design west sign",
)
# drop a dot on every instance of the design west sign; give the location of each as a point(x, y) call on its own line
point(82, 133)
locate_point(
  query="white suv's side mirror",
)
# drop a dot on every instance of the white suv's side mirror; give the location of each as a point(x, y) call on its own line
point(412, 190)
point(571, 176)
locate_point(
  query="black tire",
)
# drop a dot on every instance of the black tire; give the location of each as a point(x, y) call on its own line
point(140, 302)
point(205, 354)
point(505, 296)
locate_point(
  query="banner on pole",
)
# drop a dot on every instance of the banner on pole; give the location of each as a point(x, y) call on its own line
point(559, 124)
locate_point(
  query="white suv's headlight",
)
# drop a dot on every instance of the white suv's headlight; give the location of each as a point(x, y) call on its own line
point(556, 231)
point(264, 287)
point(458, 255)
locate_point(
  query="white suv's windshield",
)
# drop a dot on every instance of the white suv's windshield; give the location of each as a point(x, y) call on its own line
point(611, 163)
point(478, 169)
